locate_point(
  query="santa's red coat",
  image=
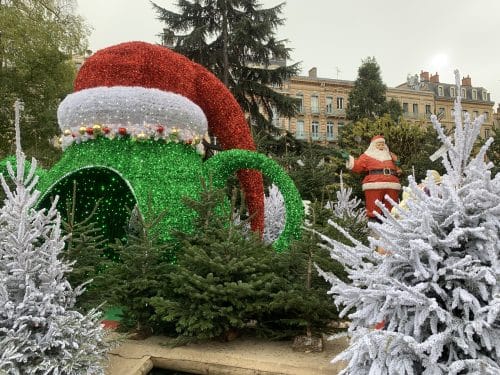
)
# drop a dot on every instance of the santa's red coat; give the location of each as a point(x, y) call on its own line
point(365, 164)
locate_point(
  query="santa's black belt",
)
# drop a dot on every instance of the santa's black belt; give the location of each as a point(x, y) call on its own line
point(385, 171)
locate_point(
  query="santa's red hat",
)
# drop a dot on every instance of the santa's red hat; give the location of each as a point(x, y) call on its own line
point(377, 138)
point(141, 88)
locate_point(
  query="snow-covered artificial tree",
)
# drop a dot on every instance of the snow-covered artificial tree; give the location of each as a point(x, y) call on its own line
point(348, 211)
point(431, 304)
point(40, 333)
point(274, 215)
point(346, 206)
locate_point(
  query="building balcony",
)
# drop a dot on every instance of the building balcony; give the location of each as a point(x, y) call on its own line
point(317, 137)
point(416, 116)
point(331, 137)
point(336, 112)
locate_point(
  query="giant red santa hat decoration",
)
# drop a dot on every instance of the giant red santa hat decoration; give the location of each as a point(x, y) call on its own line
point(139, 88)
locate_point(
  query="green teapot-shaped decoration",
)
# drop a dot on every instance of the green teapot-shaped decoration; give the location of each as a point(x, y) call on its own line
point(132, 137)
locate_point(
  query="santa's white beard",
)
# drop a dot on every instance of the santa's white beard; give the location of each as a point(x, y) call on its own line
point(380, 155)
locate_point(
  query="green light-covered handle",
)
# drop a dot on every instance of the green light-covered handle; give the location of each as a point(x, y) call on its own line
point(226, 163)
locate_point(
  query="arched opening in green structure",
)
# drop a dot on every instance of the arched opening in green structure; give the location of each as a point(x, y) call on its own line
point(95, 188)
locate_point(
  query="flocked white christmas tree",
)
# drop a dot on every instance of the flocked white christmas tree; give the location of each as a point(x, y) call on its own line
point(347, 207)
point(40, 333)
point(431, 304)
point(274, 215)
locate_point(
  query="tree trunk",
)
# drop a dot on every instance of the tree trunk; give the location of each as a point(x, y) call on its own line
point(308, 287)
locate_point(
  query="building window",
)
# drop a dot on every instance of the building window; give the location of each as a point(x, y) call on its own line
point(329, 104)
point(452, 112)
point(485, 115)
point(440, 91)
point(315, 130)
point(415, 109)
point(485, 95)
point(314, 104)
point(340, 102)
point(486, 133)
point(464, 112)
point(329, 131)
point(474, 94)
point(300, 104)
point(405, 107)
point(299, 132)
point(441, 113)
point(428, 109)
point(453, 91)
point(476, 114)
point(464, 93)
point(340, 128)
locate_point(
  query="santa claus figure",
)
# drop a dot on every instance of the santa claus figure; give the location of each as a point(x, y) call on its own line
point(382, 174)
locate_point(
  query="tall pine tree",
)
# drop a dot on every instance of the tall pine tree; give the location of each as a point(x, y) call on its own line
point(431, 304)
point(235, 40)
point(367, 99)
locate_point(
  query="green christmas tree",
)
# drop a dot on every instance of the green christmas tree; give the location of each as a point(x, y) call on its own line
point(301, 306)
point(85, 249)
point(222, 280)
point(141, 272)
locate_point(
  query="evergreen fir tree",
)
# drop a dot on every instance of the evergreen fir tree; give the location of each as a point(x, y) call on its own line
point(431, 304)
point(140, 274)
point(222, 280)
point(85, 250)
point(494, 152)
point(367, 98)
point(314, 172)
point(235, 41)
point(300, 307)
point(40, 333)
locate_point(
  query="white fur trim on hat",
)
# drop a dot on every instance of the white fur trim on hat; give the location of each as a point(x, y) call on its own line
point(136, 108)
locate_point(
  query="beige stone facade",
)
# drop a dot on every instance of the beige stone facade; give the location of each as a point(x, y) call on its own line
point(322, 112)
point(496, 119)
point(324, 102)
point(476, 100)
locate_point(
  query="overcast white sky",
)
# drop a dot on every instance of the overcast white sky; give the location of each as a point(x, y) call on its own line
point(404, 36)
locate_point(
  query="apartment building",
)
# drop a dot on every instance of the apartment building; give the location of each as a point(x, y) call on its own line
point(322, 107)
point(323, 103)
point(426, 94)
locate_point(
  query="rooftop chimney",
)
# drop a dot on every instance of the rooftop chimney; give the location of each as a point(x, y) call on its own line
point(313, 73)
point(466, 81)
point(424, 76)
point(435, 78)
